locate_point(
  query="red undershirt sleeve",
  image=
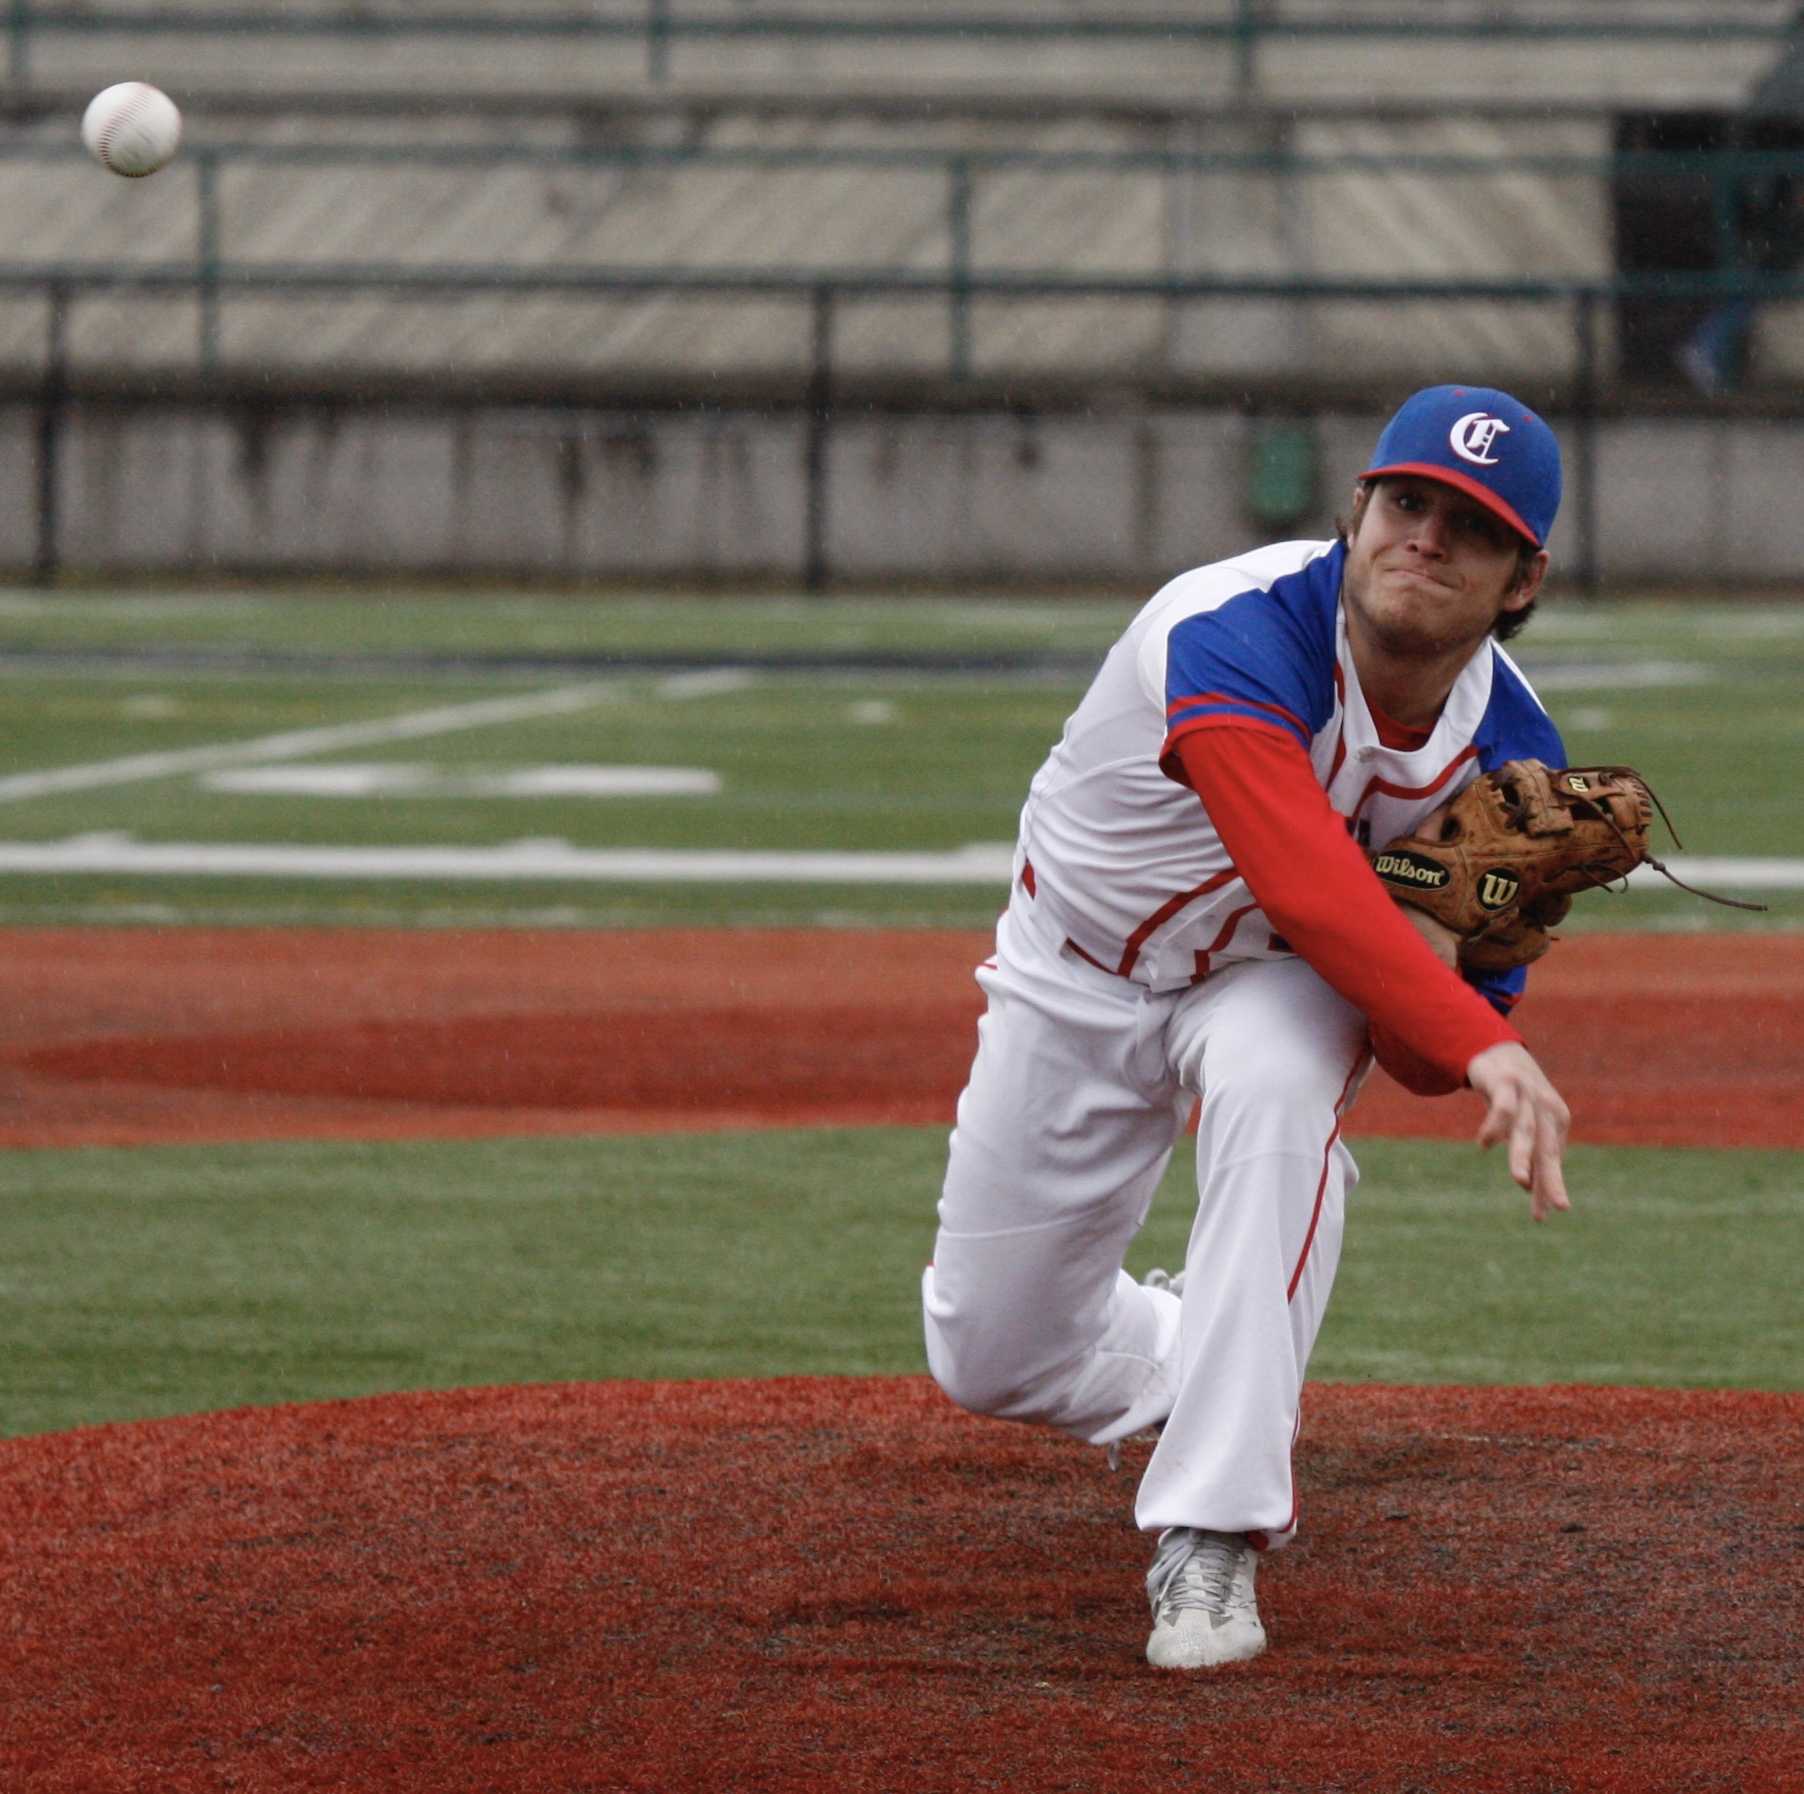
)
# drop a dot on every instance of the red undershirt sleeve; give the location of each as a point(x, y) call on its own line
point(1320, 895)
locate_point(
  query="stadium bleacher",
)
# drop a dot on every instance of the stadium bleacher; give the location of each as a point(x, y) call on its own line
point(678, 202)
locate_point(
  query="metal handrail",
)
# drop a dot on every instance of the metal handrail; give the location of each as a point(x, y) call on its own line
point(212, 269)
point(827, 288)
point(673, 18)
point(452, 279)
point(1244, 28)
point(1732, 162)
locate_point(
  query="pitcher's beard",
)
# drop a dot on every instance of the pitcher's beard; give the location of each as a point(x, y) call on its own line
point(1410, 635)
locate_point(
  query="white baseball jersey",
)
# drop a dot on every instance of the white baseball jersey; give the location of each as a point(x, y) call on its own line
point(1124, 856)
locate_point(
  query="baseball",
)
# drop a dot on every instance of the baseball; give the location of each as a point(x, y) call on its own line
point(132, 128)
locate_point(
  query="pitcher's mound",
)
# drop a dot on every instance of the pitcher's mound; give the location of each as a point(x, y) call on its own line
point(847, 1585)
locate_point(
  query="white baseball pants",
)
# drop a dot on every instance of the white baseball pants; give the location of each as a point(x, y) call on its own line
point(1083, 1082)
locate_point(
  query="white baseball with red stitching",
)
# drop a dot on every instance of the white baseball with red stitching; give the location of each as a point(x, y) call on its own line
point(132, 128)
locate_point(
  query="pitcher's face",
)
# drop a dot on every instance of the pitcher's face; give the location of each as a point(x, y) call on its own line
point(1429, 570)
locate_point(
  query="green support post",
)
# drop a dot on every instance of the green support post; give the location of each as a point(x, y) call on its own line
point(206, 193)
point(18, 43)
point(958, 207)
point(657, 39)
point(1246, 48)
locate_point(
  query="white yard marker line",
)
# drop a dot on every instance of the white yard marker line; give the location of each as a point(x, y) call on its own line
point(299, 744)
point(707, 682)
point(1628, 675)
point(360, 779)
point(1731, 876)
point(982, 863)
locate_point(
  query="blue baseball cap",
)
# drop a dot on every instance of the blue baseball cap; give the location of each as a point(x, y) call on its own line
point(1483, 443)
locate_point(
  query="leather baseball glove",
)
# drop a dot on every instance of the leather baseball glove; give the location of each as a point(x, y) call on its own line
point(1500, 863)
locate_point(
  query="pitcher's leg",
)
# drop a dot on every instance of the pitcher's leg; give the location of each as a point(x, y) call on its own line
point(1061, 1140)
point(1279, 1057)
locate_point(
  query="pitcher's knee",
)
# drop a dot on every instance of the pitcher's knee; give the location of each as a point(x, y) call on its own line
point(973, 1369)
point(971, 1387)
point(979, 1358)
point(989, 1390)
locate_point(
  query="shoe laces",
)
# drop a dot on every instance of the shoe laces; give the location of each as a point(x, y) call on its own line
point(1194, 1570)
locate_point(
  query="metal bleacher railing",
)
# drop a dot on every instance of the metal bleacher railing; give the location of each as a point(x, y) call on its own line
point(959, 282)
point(214, 266)
point(954, 253)
point(949, 268)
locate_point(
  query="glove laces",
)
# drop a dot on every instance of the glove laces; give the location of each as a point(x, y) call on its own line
point(1602, 812)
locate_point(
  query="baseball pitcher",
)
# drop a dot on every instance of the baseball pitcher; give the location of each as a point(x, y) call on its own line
point(1196, 927)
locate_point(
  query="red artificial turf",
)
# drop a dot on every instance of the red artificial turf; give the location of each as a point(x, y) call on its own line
point(127, 1036)
point(848, 1585)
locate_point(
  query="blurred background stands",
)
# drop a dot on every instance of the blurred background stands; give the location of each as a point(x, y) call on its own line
point(838, 258)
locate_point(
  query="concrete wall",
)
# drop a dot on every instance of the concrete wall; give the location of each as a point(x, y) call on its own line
point(942, 499)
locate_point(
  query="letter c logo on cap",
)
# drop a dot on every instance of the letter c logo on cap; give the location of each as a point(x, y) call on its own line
point(1471, 438)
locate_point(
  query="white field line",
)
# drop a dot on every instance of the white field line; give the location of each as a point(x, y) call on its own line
point(984, 863)
point(301, 744)
point(1628, 675)
point(361, 779)
point(1727, 877)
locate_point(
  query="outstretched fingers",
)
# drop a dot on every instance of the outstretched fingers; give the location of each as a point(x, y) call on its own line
point(1537, 1155)
point(1525, 1110)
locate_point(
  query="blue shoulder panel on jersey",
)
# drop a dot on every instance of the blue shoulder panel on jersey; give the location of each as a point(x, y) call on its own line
point(1515, 727)
point(1261, 656)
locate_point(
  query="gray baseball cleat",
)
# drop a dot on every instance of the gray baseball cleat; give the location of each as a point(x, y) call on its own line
point(1201, 1591)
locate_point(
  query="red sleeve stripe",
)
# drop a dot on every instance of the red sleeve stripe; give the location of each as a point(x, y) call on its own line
point(1171, 762)
point(1288, 718)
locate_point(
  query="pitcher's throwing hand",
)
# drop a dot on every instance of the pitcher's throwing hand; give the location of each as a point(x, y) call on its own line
point(1531, 1115)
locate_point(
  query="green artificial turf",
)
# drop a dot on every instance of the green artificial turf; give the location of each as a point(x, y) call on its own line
point(409, 620)
point(152, 1281)
point(1701, 697)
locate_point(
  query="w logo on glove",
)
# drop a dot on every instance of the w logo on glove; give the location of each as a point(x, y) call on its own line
point(1498, 890)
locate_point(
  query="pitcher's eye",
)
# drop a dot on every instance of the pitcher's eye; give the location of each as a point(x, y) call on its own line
point(1485, 528)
